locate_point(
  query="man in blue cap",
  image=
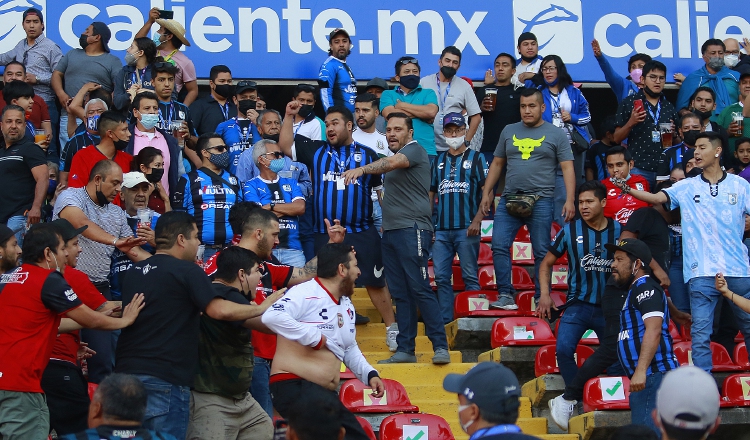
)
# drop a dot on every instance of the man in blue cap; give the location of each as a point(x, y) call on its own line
point(488, 402)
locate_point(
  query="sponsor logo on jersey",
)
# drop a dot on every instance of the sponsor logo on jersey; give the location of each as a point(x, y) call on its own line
point(625, 334)
point(341, 319)
point(147, 268)
point(287, 188)
point(449, 186)
point(215, 190)
point(14, 278)
point(592, 262)
point(216, 205)
point(644, 296)
point(71, 295)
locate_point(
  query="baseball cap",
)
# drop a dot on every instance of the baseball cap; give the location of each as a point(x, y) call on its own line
point(103, 30)
point(336, 32)
point(67, 230)
point(688, 398)
point(454, 119)
point(245, 85)
point(6, 233)
point(377, 82)
point(133, 178)
point(33, 11)
point(526, 36)
point(744, 70)
point(489, 385)
point(634, 247)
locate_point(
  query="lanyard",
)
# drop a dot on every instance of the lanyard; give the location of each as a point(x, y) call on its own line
point(443, 98)
point(225, 110)
point(495, 430)
point(341, 165)
point(137, 75)
point(658, 112)
point(556, 102)
point(245, 134)
point(170, 113)
point(169, 57)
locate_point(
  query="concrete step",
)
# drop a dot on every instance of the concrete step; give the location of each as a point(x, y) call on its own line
point(422, 356)
point(377, 343)
point(421, 373)
point(520, 359)
point(378, 330)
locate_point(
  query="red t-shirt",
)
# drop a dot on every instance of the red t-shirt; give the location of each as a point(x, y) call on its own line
point(66, 345)
point(32, 299)
point(620, 206)
point(39, 111)
point(84, 161)
point(274, 276)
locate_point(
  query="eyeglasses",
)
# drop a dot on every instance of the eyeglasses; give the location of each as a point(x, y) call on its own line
point(276, 154)
point(656, 78)
point(549, 69)
point(251, 84)
point(219, 148)
point(409, 61)
point(453, 132)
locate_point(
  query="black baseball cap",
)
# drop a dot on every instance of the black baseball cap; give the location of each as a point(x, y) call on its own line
point(489, 385)
point(744, 70)
point(338, 31)
point(526, 36)
point(245, 85)
point(33, 11)
point(634, 247)
point(67, 230)
point(6, 233)
point(377, 82)
point(103, 30)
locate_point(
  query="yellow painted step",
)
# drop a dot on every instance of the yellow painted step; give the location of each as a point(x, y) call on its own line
point(360, 292)
point(377, 343)
point(489, 356)
point(422, 356)
point(421, 374)
point(378, 330)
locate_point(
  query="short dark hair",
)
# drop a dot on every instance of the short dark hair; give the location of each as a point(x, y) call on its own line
point(369, 97)
point(316, 416)
point(596, 186)
point(527, 92)
point(17, 89)
point(299, 88)
point(231, 260)
point(635, 432)
point(329, 258)
point(102, 94)
point(400, 63)
point(453, 50)
point(404, 116)
point(712, 137)
point(144, 95)
point(654, 65)
point(609, 125)
point(712, 42)
point(147, 46)
point(203, 139)
point(123, 397)
point(171, 225)
point(741, 140)
point(684, 433)
point(258, 219)
point(703, 89)
point(14, 108)
point(639, 57)
point(38, 238)
point(109, 120)
point(619, 149)
point(688, 115)
point(509, 56)
point(102, 169)
point(343, 111)
point(163, 67)
point(16, 63)
point(216, 70)
point(238, 214)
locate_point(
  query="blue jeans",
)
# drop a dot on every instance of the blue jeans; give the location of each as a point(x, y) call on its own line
point(18, 222)
point(377, 217)
point(290, 257)
point(405, 254)
point(678, 288)
point(53, 152)
point(447, 243)
point(577, 318)
point(504, 232)
point(561, 196)
point(704, 299)
point(259, 385)
point(643, 403)
point(306, 233)
point(168, 407)
point(650, 176)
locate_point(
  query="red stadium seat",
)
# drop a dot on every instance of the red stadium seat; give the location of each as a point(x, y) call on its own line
point(719, 356)
point(367, 427)
point(520, 278)
point(477, 303)
point(555, 229)
point(486, 275)
point(736, 391)
point(676, 336)
point(587, 338)
point(345, 373)
point(431, 275)
point(521, 253)
point(456, 260)
point(739, 338)
point(457, 280)
point(606, 393)
point(357, 398)
point(485, 254)
point(486, 231)
point(523, 235)
point(740, 356)
point(527, 304)
point(560, 276)
point(546, 359)
point(92, 389)
point(435, 427)
point(521, 330)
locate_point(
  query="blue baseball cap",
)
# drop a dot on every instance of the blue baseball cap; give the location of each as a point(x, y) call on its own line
point(456, 119)
point(489, 385)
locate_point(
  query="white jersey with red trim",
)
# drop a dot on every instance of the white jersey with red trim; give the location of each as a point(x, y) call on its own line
point(307, 312)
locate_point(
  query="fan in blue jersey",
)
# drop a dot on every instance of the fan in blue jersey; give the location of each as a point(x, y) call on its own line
point(280, 195)
point(208, 193)
point(240, 132)
point(457, 179)
point(336, 80)
point(86, 134)
point(584, 241)
point(689, 128)
point(644, 345)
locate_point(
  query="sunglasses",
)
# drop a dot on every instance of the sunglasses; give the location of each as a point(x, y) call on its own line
point(164, 64)
point(219, 148)
point(410, 61)
point(276, 154)
point(251, 84)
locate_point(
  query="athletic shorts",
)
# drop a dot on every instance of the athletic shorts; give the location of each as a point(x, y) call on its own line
point(369, 257)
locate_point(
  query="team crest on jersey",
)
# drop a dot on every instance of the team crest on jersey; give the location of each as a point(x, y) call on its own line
point(358, 157)
point(287, 188)
point(233, 180)
point(441, 166)
point(198, 179)
point(350, 312)
point(639, 186)
point(467, 164)
point(341, 320)
point(732, 199)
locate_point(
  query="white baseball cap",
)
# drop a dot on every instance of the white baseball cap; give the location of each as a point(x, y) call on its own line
point(132, 179)
point(688, 398)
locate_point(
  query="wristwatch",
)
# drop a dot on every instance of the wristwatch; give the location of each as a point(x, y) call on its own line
point(273, 204)
point(467, 142)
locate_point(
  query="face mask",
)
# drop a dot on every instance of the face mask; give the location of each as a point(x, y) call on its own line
point(149, 120)
point(130, 59)
point(83, 41)
point(157, 39)
point(455, 142)
point(464, 426)
point(57, 266)
point(690, 136)
point(52, 186)
point(716, 63)
point(731, 60)
point(101, 199)
point(155, 175)
point(636, 75)
point(223, 90)
point(305, 110)
point(703, 115)
point(221, 160)
point(448, 72)
point(271, 137)
point(276, 165)
point(651, 93)
point(244, 105)
point(119, 143)
point(92, 123)
point(411, 82)
point(552, 83)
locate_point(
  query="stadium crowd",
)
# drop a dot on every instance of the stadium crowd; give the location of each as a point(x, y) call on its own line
point(119, 177)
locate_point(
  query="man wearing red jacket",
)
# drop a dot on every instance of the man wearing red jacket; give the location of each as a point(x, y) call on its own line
point(620, 205)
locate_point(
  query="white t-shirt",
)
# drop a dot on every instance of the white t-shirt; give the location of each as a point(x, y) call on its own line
point(531, 67)
point(377, 142)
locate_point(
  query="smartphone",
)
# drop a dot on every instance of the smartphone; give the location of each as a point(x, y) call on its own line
point(638, 105)
point(169, 15)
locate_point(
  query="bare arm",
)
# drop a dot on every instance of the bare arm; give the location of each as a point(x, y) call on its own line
point(569, 177)
point(473, 125)
point(57, 86)
point(425, 112)
point(67, 325)
point(621, 133)
point(545, 277)
point(649, 344)
point(41, 175)
point(91, 319)
point(286, 135)
point(224, 310)
point(305, 273)
point(295, 208)
point(493, 175)
point(645, 196)
point(740, 301)
point(93, 232)
point(153, 14)
point(380, 166)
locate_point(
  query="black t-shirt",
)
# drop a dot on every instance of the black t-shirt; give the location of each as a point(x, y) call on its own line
point(596, 159)
point(16, 163)
point(507, 111)
point(163, 341)
point(653, 230)
point(207, 114)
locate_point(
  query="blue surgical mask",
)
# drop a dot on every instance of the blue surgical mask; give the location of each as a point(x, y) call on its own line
point(52, 186)
point(92, 123)
point(157, 39)
point(149, 120)
point(276, 165)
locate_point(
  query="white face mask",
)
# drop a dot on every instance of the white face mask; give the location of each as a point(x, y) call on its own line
point(57, 266)
point(731, 60)
point(465, 426)
point(456, 142)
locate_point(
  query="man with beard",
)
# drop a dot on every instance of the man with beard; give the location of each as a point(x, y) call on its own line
point(336, 80)
point(10, 251)
point(316, 333)
point(530, 62)
point(713, 74)
point(209, 112)
point(644, 344)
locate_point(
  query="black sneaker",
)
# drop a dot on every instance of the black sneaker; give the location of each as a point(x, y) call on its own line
point(360, 320)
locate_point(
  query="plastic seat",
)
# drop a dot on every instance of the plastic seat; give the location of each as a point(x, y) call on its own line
point(527, 304)
point(546, 359)
point(457, 279)
point(520, 278)
point(435, 427)
point(523, 235)
point(357, 398)
point(486, 237)
point(719, 356)
point(740, 356)
point(431, 275)
point(367, 427)
point(587, 339)
point(485, 255)
point(736, 391)
point(606, 393)
point(345, 373)
point(486, 275)
point(477, 303)
point(521, 253)
point(739, 338)
point(676, 336)
point(554, 230)
point(560, 276)
point(521, 330)
point(92, 389)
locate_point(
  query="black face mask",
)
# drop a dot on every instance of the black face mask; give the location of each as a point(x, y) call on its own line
point(120, 144)
point(101, 199)
point(305, 110)
point(156, 175)
point(703, 115)
point(83, 40)
point(244, 105)
point(650, 92)
point(224, 90)
point(448, 72)
point(272, 137)
point(690, 136)
point(409, 81)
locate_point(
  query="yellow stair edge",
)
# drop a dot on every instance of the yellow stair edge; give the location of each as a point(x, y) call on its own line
point(490, 356)
point(422, 356)
point(582, 425)
point(377, 343)
point(377, 329)
point(532, 426)
point(534, 390)
point(421, 374)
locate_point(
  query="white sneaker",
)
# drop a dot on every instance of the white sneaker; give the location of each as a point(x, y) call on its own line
point(561, 410)
point(390, 337)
